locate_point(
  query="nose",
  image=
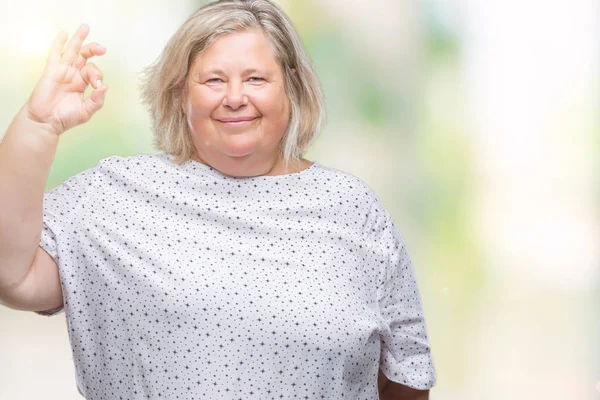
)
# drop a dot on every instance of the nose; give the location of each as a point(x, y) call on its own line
point(235, 96)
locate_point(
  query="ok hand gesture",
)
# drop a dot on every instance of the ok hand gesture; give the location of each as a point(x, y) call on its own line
point(57, 101)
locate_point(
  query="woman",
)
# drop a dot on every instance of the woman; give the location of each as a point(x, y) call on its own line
point(225, 266)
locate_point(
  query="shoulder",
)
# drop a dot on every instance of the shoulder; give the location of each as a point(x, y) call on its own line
point(132, 165)
point(118, 172)
point(357, 197)
point(350, 185)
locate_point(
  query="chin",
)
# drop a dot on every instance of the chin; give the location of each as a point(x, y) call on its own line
point(239, 148)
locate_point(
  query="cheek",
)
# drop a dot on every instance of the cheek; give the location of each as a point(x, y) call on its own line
point(273, 106)
point(203, 104)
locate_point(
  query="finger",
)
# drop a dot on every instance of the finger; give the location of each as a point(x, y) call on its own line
point(92, 49)
point(72, 50)
point(95, 102)
point(88, 51)
point(91, 74)
point(56, 48)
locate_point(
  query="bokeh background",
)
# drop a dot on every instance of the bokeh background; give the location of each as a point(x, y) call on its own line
point(476, 122)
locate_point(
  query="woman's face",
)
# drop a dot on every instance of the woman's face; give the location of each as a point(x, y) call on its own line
point(236, 105)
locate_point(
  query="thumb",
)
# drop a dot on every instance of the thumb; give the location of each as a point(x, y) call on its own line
point(96, 100)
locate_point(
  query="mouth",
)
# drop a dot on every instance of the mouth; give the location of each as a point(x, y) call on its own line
point(241, 121)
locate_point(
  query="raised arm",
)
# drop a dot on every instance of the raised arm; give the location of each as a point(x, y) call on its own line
point(26, 154)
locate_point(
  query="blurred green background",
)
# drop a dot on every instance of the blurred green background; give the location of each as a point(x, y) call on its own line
point(475, 122)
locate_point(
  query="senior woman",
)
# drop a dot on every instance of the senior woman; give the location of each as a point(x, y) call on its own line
point(226, 266)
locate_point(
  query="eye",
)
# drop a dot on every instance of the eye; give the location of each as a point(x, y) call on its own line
point(256, 79)
point(214, 80)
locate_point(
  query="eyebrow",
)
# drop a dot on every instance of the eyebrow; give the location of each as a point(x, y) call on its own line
point(248, 71)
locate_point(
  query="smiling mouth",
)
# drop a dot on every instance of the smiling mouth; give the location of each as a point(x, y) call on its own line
point(240, 122)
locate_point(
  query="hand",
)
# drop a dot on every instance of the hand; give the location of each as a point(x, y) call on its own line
point(57, 101)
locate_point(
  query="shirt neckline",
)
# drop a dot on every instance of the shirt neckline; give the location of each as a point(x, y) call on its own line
point(195, 167)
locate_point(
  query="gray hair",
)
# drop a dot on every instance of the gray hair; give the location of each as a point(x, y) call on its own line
point(164, 81)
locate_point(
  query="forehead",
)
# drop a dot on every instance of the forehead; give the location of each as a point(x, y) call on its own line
point(249, 48)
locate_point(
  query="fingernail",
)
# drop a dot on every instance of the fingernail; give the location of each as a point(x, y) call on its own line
point(98, 83)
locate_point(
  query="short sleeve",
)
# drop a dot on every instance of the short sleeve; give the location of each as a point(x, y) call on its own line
point(405, 353)
point(61, 205)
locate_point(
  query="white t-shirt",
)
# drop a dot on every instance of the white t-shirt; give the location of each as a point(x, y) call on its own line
point(180, 282)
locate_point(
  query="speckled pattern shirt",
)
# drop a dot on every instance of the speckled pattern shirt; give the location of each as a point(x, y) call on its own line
point(180, 282)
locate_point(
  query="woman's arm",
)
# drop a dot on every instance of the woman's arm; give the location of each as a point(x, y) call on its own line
point(26, 154)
